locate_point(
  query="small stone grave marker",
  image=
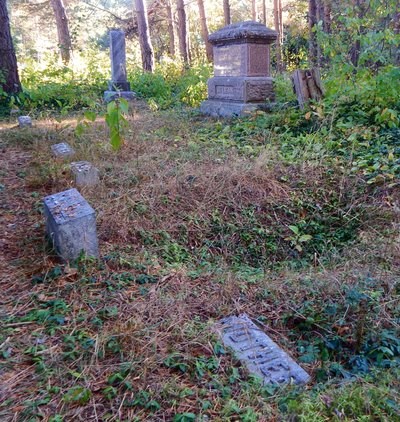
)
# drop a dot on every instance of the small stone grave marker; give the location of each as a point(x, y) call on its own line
point(85, 173)
point(261, 355)
point(24, 121)
point(71, 224)
point(62, 150)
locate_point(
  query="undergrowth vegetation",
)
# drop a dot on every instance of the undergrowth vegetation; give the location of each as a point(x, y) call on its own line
point(290, 216)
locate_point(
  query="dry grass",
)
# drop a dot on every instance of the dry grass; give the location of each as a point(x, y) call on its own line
point(160, 182)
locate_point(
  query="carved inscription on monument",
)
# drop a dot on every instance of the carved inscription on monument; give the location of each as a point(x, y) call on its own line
point(228, 60)
point(259, 353)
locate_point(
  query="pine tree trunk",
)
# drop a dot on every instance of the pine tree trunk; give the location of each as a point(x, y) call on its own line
point(64, 38)
point(253, 10)
point(204, 30)
point(171, 28)
point(182, 31)
point(312, 22)
point(227, 12)
point(278, 29)
point(9, 79)
point(146, 47)
point(264, 12)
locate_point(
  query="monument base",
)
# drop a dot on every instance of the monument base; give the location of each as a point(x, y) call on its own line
point(112, 95)
point(218, 108)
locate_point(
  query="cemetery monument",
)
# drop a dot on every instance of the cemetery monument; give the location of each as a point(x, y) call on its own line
point(242, 81)
point(119, 85)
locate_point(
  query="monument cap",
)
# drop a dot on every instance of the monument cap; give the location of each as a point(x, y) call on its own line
point(243, 32)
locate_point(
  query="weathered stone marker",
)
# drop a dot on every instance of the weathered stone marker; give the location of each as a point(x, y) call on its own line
point(241, 81)
point(71, 224)
point(85, 173)
point(62, 150)
point(261, 355)
point(119, 85)
point(24, 121)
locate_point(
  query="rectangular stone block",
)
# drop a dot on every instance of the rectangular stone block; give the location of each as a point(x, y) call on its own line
point(241, 60)
point(243, 89)
point(118, 56)
point(24, 121)
point(262, 356)
point(85, 173)
point(62, 150)
point(112, 95)
point(71, 224)
point(221, 108)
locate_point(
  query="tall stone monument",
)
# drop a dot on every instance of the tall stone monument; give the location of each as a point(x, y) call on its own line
point(242, 81)
point(119, 85)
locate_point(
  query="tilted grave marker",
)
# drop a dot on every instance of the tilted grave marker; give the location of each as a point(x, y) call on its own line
point(261, 355)
point(242, 81)
point(62, 150)
point(24, 121)
point(85, 173)
point(119, 85)
point(71, 224)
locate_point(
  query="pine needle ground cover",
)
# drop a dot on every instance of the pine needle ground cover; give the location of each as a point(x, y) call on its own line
point(272, 215)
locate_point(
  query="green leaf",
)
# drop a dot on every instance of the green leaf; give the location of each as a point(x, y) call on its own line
point(305, 238)
point(294, 229)
point(184, 417)
point(124, 105)
point(90, 115)
point(78, 395)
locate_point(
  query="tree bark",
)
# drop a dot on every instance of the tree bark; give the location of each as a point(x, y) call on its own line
point(253, 10)
point(146, 47)
point(171, 28)
point(312, 22)
point(279, 30)
point(264, 12)
point(64, 37)
point(227, 12)
point(182, 31)
point(204, 30)
point(9, 79)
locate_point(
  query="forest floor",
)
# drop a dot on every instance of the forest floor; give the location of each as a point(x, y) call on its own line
point(194, 226)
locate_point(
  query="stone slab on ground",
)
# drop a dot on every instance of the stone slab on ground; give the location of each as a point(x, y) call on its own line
point(24, 121)
point(85, 173)
point(261, 355)
point(71, 224)
point(62, 150)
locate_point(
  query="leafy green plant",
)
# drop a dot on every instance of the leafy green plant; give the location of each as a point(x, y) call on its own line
point(77, 395)
point(116, 119)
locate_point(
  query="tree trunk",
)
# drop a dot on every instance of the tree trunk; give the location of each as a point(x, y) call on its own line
point(264, 12)
point(9, 79)
point(171, 28)
point(204, 30)
point(279, 30)
point(312, 22)
point(64, 38)
point(182, 31)
point(227, 12)
point(253, 10)
point(307, 86)
point(144, 36)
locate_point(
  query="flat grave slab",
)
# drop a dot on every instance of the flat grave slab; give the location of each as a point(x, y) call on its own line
point(261, 355)
point(62, 150)
point(71, 224)
point(24, 121)
point(85, 173)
